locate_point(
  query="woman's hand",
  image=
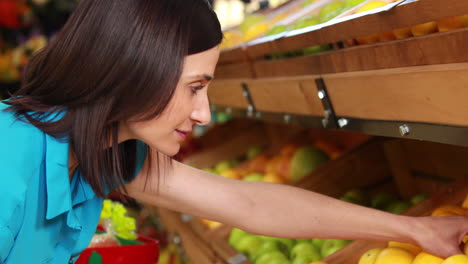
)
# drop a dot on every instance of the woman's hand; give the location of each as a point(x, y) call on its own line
point(440, 236)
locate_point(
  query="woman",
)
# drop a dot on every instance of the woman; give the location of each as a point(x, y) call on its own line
point(106, 104)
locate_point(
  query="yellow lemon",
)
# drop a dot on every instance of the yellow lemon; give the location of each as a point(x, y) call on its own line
point(409, 247)
point(394, 256)
point(426, 258)
point(371, 5)
point(457, 259)
point(370, 256)
point(465, 239)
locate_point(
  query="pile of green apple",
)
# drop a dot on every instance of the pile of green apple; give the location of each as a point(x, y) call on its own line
point(382, 201)
point(271, 250)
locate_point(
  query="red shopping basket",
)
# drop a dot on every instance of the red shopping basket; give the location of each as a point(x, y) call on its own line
point(146, 252)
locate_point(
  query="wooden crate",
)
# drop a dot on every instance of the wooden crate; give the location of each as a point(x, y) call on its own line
point(398, 166)
point(452, 194)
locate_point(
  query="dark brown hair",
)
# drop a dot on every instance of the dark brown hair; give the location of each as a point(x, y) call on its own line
point(114, 60)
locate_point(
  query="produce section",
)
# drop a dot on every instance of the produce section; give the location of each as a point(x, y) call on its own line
point(392, 69)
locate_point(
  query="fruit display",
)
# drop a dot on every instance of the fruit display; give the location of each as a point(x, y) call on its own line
point(405, 253)
point(295, 16)
point(261, 249)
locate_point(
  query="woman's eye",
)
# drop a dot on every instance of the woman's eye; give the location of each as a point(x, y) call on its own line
point(195, 89)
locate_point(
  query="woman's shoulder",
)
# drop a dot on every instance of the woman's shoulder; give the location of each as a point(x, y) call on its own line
point(17, 136)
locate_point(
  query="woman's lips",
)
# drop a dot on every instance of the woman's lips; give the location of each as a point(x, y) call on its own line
point(182, 134)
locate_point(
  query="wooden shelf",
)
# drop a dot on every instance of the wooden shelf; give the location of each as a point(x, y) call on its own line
point(401, 16)
point(374, 89)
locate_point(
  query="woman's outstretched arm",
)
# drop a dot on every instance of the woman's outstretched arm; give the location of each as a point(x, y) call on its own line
point(289, 212)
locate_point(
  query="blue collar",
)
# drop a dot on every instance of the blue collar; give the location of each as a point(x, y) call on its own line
point(62, 194)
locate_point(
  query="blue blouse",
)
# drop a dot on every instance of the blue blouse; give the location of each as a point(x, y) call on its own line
point(44, 218)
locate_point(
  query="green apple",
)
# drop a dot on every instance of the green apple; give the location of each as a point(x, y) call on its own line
point(315, 49)
point(222, 118)
point(236, 235)
point(352, 3)
point(269, 246)
point(305, 249)
point(382, 200)
point(248, 245)
point(234, 163)
point(303, 240)
point(332, 245)
point(254, 152)
point(306, 160)
point(253, 177)
point(331, 10)
point(270, 257)
point(357, 195)
point(210, 170)
point(318, 242)
point(276, 30)
point(419, 198)
point(222, 166)
point(398, 207)
point(305, 259)
point(349, 200)
point(287, 243)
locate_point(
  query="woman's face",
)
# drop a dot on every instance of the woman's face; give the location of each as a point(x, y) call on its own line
point(188, 107)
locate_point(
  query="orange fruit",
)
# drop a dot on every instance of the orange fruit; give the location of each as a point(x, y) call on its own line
point(463, 20)
point(403, 33)
point(424, 29)
point(449, 210)
point(449, 24)
point(387, 36)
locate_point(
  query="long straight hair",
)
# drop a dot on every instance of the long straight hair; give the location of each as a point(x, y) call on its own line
point(114, 60)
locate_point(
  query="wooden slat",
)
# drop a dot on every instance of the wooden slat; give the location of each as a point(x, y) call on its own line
point(297, 96)
point(227, 93)
point(236, 70)
point(441, 48)
point(431, 94)
point(398, 17)
point(441, 160)
point(198, 251)
point(400, 168)
point(233, 55)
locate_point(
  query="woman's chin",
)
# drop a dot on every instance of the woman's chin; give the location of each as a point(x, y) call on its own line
point(171, 152)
